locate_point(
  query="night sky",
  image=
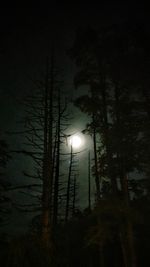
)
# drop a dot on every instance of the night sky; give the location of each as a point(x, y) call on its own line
point(27, 34)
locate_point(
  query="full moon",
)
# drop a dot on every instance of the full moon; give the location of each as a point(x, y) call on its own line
point(75, 141)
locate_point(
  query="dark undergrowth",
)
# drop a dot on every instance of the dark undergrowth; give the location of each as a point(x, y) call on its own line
point(71, 248)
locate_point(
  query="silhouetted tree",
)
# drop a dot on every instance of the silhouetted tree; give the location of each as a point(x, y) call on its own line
point(71, 193)
point(4, 184)
point(104, 59)
point(45, 111)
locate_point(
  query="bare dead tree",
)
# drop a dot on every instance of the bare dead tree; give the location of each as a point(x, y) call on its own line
point(71, 193)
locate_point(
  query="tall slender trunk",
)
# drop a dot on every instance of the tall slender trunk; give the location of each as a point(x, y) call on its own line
point(56, 183)
point(89, 181)
point(68, 185)
point(101, 255)
point(45, 196)
point(131, 252)
point(97, 182)
point(124, 250)
point(48, 157)
point(127, 245)
point(131, 244)
point(74, 195)
point(107, 141)
point(50, 133)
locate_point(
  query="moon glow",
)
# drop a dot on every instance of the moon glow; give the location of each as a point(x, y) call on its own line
point(75, 141)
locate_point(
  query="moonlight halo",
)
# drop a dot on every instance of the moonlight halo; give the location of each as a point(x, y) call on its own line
point(75, 141)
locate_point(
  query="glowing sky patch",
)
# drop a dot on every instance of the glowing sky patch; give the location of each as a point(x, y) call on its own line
point(75, 141)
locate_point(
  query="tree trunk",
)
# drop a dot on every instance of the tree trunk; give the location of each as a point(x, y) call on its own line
point(56, 184)
point(89, 181)
point(74, 196)
point(68, 186)
point(97, 182)
point(47, 160)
